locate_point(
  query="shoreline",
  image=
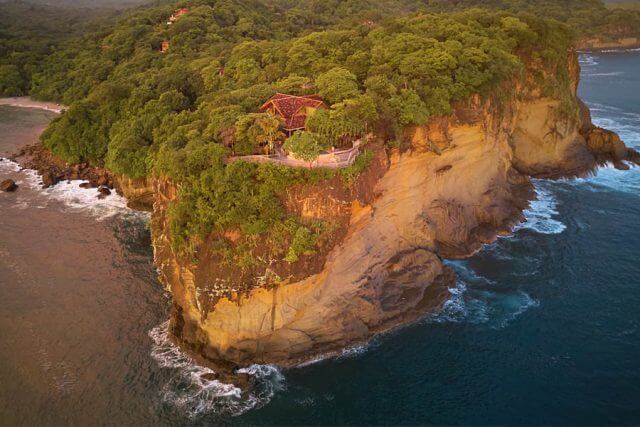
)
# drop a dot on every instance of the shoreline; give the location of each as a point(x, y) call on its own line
point(28, 102)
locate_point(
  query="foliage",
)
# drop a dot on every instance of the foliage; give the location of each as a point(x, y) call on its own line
point(303, 242)
point(382, 65)
point(351, 173)
point(304, 145)
point(337, 84)
point(256, 130)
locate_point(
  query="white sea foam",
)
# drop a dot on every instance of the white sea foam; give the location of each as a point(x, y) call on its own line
point(627, 125)
point(67, 192)
point(470, 303)
point(346, 353)
point(610, 74)
point(540, 216)
point(625, 50)
point(86, 199)
point(190, 391)
point(587, 60)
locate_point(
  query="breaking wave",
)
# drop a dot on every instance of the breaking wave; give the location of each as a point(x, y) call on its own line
point(86, 199)
point(610, 74)
point(192, 391)
point(541, 214)
point(69, 193)
point(587, 60)
point(624, 50)
point(476, 300)
point(346, 353)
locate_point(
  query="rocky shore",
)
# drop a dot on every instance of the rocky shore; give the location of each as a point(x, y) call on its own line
point(599, 44)
point(464, 180)
point(53, 170)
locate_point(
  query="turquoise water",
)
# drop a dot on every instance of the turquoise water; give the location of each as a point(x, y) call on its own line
point(543, 327)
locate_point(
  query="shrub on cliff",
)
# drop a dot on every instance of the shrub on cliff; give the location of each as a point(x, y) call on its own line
point(304, 146)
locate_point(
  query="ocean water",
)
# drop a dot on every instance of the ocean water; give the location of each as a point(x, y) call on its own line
point(542, 327)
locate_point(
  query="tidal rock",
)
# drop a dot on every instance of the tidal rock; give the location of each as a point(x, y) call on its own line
point(49, 179)
point(104, 191)
point(209, 376)
point(8, 185)
point(606, 142)
point(621, 166)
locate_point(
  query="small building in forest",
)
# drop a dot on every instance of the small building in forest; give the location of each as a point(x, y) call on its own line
point(165, 46)
point(177, 14)
point(293, 109)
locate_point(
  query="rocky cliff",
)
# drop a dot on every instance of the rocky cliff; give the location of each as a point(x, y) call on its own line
point(600, 43)
point(463, 180)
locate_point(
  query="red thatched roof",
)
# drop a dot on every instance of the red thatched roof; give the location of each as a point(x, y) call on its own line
point(292, 108)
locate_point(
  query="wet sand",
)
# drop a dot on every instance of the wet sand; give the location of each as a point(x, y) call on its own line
point(26, 102)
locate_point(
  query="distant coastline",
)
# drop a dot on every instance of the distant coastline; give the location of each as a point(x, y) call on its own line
point(27, 102)
point(598, 44)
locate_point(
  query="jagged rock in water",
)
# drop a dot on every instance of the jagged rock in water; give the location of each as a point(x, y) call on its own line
point(8, 185)
point(49, 179)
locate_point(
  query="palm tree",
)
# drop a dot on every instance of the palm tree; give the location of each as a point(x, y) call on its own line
point(269, 131)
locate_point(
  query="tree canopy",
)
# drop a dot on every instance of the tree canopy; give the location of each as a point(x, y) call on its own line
point(381, 65)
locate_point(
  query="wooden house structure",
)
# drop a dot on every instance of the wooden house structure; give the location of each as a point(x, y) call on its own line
point(293, 109)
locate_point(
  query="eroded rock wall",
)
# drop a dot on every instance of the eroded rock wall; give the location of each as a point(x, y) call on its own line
point(463, 180)
point(388, 269)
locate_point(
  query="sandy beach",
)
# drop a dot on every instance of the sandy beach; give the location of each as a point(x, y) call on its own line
point(26, 102)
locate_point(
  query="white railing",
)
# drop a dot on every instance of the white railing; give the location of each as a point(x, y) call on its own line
point(333, 159)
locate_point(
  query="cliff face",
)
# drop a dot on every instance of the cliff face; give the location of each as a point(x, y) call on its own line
point(614, 42)
point(464, 179)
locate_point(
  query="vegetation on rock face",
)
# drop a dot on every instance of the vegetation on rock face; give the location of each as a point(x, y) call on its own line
point(381, 65)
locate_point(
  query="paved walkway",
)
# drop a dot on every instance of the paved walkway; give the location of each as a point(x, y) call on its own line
point(332, 160)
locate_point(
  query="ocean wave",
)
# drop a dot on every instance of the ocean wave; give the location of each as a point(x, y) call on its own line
point(69, 193)
point(495, 308)
point(587, 60)
point(191, 391)
point(541, 212)
point(610, 74)
point(86, 199)
point(609, 178)
point(346, 353)
point(621, 50)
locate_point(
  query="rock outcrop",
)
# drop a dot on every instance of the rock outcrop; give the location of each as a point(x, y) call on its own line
point(8, 185)
point(463, 180)
point(53, 169)
point(600, 43)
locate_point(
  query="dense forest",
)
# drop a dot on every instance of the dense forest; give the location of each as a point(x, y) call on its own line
point(174, 101)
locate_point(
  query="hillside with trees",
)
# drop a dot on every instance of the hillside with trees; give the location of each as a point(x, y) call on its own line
point(148, 99)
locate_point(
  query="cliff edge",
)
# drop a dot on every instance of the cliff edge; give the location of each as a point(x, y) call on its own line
point(463, 180)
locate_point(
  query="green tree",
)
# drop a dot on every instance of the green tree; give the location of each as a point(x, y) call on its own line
point(257, 130)
point(409, 109)
point(304, 145)
point(337, 84)
point(11, 81)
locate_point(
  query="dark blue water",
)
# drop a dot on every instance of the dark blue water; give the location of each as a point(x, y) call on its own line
point(544, 327)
